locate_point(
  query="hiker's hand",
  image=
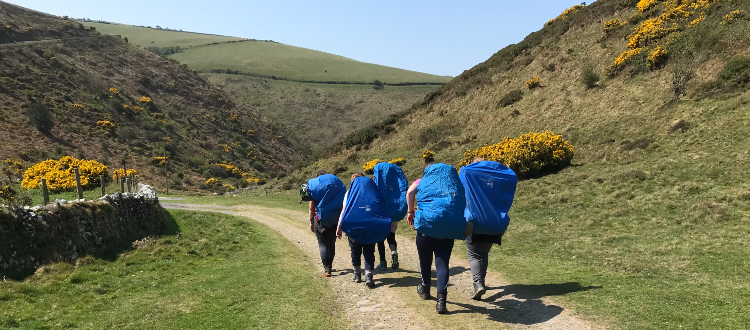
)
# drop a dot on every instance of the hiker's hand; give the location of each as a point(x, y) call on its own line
point(312, 227)
point(339, 232)
point(410, 219)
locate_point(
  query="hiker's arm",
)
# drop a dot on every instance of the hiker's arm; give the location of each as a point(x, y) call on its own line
point(339, 231)
point(411, 198)
point(311, 216)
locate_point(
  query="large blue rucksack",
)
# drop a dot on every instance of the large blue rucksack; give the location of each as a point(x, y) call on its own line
point(365, 220)
point(328, 193)
point(490, 187)
point(441, 200)
point(393, 185)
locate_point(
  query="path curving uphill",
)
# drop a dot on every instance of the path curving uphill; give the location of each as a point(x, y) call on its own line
point(393, 303)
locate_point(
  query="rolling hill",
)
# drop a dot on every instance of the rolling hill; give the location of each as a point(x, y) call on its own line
point(317, 97)
point(101, 98)
point(653, 212)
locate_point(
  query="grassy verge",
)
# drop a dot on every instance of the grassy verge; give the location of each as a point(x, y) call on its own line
point(222, 272)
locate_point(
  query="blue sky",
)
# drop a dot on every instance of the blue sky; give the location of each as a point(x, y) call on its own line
point(438, 37)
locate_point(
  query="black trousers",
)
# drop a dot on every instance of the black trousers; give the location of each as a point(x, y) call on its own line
point(326, 243)
point(391, 244)
point(441, 248)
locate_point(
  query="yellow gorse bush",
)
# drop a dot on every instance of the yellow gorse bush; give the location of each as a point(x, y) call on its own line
point(234, 117)
point(145, 99)
point(121, 173)
point(369, 167)
point(732, 17)
point(528, 155)
point(611, 25)
point(78, 106)
point(60, 176)
point(159, 161)
point(114, 91)
point(230, 169)
point(565, 14)
point(106, 124)
point(398, 161)
point(229, 186)
point(212, 182)
point(12, 167)
point(532, 83)
point(227, 148)
point(621, 60)
point(657, 57)
point(7, 193)
point(644, 5)
point(428, 156)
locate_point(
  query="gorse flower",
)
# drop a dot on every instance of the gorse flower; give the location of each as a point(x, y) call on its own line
point(234, 118)
point(78, 106)
point(428, 156)
point(212, 182)
point(528, 155)
point(644, 5)
point(12, 167)
point(533, 83)
point(611, 25)
point(657, 57)
point(146, 99)
point(60, 176)
point(565, 14)
point(369, 167)
point(159, 161)
point(114, 91)
point(121, 173)
point(106, 124)
point(398, 161)
point(732, 17)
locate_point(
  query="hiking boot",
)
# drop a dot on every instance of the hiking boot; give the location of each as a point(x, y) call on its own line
point(394, 260)
point(441, 300)
point(368, 280)
point(327, 271)
point(357, 278)
point(479, 290)
point(382, 266)
point(423, 291)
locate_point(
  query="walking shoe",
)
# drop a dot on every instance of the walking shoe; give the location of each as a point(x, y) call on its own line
point(479, 290)
point(382, 266)
point(327, 271)
point(441, 300)
point(368, 280)
point(394, 260)
point(423, 291)
point(357, 278)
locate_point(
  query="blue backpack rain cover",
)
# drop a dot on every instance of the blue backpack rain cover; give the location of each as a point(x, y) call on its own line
point(393, 185)
point(490, 187)
point(365, 220)
point(441, 201)
point(328, 192)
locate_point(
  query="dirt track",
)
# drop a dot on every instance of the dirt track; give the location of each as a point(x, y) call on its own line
point(393, 303)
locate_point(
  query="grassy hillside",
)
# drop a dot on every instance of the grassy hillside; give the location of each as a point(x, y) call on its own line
point(267, 75)
point(155, 107)
point(152, 37)
point(654, 208)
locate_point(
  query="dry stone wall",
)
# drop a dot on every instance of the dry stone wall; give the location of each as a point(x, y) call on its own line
point(63, 231)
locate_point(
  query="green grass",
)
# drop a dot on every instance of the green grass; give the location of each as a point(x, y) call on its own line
point(146, 37)
point(224, 272)
point(281, 60)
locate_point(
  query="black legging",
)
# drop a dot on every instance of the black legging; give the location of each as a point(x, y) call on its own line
point(391, 244)
point(441, 248)
point(327, 245)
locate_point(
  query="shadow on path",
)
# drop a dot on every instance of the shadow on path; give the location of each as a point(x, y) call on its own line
point(526, 306)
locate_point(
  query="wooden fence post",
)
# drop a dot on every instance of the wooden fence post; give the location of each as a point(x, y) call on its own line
point(104, 189)
point(45, 192)
point(78, 182)
point(127, 183)
point(122, 185)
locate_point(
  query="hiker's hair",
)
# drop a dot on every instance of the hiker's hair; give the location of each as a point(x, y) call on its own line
point(357, 175)
point(477, 160)
point(322, 172)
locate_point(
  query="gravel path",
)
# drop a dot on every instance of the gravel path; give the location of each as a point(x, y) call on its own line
point(393, 303)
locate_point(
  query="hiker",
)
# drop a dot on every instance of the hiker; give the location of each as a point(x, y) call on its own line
point(365, 223)
point(326, 195)
point(438, 222)
point(393, 185)
point(490, 187)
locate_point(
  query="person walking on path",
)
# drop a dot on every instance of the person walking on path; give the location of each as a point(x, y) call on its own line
point(438, 222)
point(365, 223)
point(327, 194)
point(393, 185)
point(490, 188)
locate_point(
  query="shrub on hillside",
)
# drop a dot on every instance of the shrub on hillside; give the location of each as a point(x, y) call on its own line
point(734, 68)
point(12, 167)
point(369, 167)
point(589, 77)
point(428, 156)
point(398, 161)
point(60, 176)
point(529, 155)
point(510, 98)
point(533, 83)
point(732, 17)
point(612, 25)
point(657, 58)
point(40, 117)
